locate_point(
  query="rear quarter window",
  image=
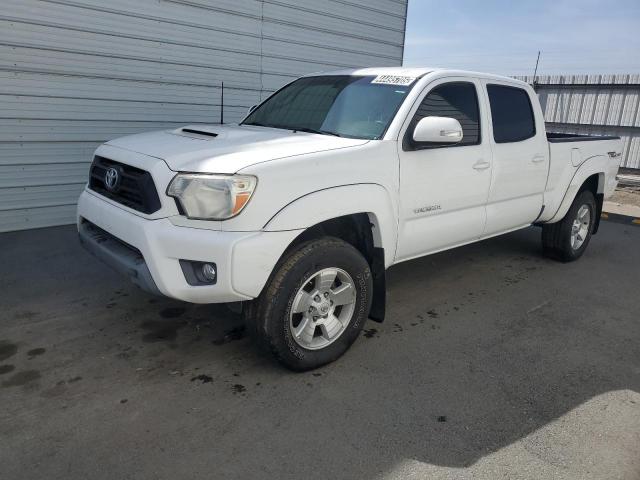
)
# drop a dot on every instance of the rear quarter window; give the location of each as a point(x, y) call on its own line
point(511, 114)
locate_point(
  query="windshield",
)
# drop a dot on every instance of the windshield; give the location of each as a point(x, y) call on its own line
point(343, 105)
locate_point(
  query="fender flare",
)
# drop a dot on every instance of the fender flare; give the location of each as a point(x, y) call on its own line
point(321, 205)
point(596, 165)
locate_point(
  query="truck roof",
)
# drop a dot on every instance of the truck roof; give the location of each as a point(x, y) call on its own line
point(413, 72)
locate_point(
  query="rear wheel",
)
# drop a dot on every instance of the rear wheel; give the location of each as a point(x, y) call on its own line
point(315, 304)
point(567, 239)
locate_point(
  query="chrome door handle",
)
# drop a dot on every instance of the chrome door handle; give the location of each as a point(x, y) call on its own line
point(481, 165)
point(538, 158)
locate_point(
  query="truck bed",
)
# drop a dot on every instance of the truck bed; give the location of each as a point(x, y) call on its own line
point(567, 153)
point(576, 137)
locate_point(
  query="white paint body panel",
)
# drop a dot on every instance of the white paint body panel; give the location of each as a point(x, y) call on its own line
point(418, 202)
point(244, 260)
point(232, 149)
point(442, 195)
point(519, 173)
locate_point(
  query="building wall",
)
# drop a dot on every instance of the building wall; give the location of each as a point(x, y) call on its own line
point(75, 73)
point(594, 105)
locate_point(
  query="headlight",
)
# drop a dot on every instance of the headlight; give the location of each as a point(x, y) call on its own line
point(212, 197)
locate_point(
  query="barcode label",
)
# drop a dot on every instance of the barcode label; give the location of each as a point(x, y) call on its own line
point(393, 80)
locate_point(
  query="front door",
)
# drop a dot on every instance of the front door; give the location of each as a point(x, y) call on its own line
point(444, 189)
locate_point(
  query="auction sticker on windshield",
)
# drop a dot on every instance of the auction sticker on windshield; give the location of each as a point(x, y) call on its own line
point(393, 80)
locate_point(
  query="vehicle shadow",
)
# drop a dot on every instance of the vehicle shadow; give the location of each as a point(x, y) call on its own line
point(482, 346)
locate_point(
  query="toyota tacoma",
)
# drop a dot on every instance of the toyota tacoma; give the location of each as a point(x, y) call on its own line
point(298, 211)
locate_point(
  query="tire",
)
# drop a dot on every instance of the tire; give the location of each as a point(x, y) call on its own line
point(289, 320)
point(564, 240)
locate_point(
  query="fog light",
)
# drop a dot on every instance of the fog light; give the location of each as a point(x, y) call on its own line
point(209, 272)
point(199, 273)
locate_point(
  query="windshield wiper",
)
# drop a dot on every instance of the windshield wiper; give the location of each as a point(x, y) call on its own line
point(294, 129)
point(258, 124)
point(313, 130)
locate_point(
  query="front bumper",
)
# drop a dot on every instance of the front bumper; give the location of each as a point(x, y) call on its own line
point(148, 252)
point(123, 258)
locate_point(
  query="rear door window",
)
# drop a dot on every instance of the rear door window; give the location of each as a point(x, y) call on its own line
point(511, 114)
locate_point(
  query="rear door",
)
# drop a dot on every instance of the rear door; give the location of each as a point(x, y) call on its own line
point(520, 158)
point(444, 188)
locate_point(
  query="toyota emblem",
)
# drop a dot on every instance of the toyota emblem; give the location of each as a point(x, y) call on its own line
point(112, 179)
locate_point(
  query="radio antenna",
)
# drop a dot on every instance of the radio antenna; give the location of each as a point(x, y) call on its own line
point(222, 104)
point(536, 69)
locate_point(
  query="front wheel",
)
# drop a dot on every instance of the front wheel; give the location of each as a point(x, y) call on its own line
point(315, 304)
point(567, 239)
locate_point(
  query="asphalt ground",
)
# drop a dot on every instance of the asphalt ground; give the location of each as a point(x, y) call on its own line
point(493, 362)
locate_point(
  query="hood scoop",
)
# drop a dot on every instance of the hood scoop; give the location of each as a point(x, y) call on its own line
point(197, 131)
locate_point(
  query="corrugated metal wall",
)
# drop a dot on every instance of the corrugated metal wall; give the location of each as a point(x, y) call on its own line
point(595, 105)
point(74, 73)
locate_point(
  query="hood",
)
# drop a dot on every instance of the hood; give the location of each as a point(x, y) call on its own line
point(227, 148)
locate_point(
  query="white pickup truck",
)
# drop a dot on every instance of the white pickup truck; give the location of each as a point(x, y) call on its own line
point(298, 211)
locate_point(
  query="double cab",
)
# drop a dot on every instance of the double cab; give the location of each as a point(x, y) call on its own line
point(298, 211)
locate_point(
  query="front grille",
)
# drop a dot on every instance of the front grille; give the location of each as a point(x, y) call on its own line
point(135, 190)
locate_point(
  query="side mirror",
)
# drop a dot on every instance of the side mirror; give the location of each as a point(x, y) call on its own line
point(438, 130)
point(251, 109)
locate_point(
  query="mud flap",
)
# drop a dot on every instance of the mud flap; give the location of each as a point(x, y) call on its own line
point(378, 304)
point(599, 203)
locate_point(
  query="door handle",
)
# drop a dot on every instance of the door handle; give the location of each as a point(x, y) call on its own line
point(481, 165)
point(538, 158)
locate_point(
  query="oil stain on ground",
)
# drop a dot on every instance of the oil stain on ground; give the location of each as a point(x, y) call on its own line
point(202, 378)
point(161, 331)
point(21, 378)
point(7, 349)
point(370, 333)
point(4, 369)
point(238, 388)
point(35, 352)
point(237, 333)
